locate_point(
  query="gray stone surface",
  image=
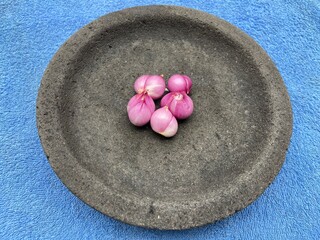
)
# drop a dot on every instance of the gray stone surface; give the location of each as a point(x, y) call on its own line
point(221, 159)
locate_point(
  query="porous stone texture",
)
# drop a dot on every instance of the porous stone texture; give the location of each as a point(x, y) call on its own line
point(223, 156)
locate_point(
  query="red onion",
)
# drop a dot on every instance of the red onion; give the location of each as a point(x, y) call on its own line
point(179, 83)
point(140, 108)
point(153, 85)
point(179, 104)
point(163, 122)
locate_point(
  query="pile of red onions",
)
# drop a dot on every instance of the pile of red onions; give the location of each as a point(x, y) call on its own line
point(174, 105)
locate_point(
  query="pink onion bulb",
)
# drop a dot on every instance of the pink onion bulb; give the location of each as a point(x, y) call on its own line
point(179, 104)
point(163, 122)
point(140, 108)
point(179, 83)
point(153, 85)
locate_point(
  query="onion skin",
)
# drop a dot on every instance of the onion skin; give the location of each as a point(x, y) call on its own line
point(140, 109)
point(153, 85)
point(180, 83)
point(179, 104)
point(163, 122)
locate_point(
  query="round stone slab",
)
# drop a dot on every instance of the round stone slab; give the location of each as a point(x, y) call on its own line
point(222, 158)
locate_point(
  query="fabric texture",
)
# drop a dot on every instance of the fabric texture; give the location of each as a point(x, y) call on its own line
point(34, 204)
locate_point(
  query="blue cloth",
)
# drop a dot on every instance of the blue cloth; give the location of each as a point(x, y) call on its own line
point(34, 204)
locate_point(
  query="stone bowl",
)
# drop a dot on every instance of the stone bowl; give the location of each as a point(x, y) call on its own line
point(222, 158)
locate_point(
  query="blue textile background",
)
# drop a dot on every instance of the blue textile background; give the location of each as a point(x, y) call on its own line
point(34, 204)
